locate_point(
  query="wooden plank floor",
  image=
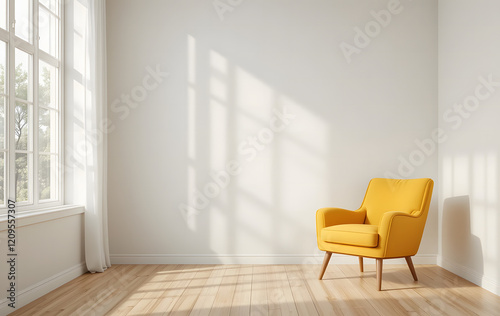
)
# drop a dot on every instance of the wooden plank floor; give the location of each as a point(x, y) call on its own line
point(265, 290)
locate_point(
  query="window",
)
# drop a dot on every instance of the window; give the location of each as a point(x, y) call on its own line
point(30, 103)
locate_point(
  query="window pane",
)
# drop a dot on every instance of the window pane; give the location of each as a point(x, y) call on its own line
point(22, 177)
point(2, 123)
point(24, 75)
point(48, 32)
point(47, 131)
point(2, 178)
point(3, 14)
point(23, 14)
point(48, 84)
point(22, 126)
point(3, 47)
point(47, 176)
point(51, 4)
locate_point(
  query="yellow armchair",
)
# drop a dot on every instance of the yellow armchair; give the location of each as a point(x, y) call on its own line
point(389, 224)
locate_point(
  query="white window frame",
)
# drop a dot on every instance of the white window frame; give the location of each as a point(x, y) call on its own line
point(13, 42)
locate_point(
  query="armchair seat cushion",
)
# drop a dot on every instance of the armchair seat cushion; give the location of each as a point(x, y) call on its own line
point(361, 235)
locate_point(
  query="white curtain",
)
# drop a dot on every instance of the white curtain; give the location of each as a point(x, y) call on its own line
point(96, 221)
point(85, 115)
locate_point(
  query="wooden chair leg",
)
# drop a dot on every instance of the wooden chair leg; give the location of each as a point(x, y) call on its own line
point(412, 268)
point(361, 264)
point(328, 255)
point(379, 274)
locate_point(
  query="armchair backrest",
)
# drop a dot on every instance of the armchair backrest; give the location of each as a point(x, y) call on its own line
point(411, 196)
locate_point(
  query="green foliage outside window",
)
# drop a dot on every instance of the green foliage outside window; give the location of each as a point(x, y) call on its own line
point(21, 130)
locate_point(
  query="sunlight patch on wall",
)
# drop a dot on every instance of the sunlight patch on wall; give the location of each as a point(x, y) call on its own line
point(254, 100)
point(305, 156)
point(310, 122)
point(447, 177)
point(191, 117)
point(218, 63)
point(218, 136)
point(492, 180)
point(478, 194)
point(218, 89)
point(461, 176)
point(257, 179)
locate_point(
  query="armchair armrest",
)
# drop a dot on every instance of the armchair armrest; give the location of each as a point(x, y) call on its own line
point(330, 216)
point(401, 233)
point(388, 219)
point(336, 216)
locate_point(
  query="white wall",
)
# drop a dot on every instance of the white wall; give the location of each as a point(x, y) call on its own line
point(49, 254)
point(353, 121)
point(469, 160)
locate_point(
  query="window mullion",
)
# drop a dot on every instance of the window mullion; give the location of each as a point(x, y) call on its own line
point(10, 164)
point(23, 45)
point(61, 95)
point(36, 64)
point(49, 59)
point(4, 35)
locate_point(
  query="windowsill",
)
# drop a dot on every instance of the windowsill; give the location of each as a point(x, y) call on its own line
point(43, 215)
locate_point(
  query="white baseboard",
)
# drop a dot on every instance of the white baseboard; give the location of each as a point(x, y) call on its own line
point(36, 291)
point(252, 259)
point(470, 275)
